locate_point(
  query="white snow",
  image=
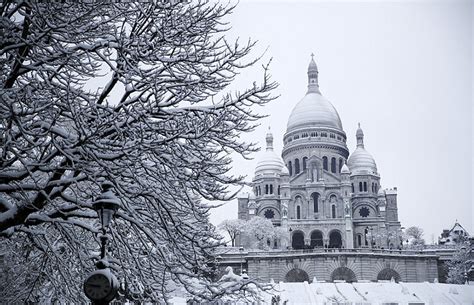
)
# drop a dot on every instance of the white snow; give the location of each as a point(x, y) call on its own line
point(368, 293)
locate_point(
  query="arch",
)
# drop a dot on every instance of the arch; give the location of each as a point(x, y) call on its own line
point(297, 240)
point(290, 168)
point(271, 188)
point(352, 185)
point(335, 239)
point(266, 189)
point(325, 163)
point(316, 239)
point(297, 166)
point(278, 190)
point(341, 163)
point(359, 240)
point(305, 162)
point(315, 197)
point(360, 186)
point(343, 274)
point(298, 212)
point(387, 274)
point(333, 211)
point(365, 186)
point(333, 165)
point(296, 275)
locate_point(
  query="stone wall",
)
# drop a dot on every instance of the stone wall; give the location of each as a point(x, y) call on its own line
point(330, 266)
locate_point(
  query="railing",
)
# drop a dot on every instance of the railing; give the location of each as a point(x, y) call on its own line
point(234, 252)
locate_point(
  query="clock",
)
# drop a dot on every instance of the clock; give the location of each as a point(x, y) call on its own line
point(101, 285)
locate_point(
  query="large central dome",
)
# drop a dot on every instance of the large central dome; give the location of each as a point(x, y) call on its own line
point(314, 110)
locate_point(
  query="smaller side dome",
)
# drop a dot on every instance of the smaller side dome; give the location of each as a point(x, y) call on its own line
point(381, 192)
point(345, 169)
point(270, 163)
point(361, 161)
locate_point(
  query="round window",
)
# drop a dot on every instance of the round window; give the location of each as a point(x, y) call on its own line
point(364, 212)
point(269, 214)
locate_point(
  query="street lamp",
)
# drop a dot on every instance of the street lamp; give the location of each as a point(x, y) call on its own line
point(241, 250)
point(106, 205)
point(101, 285)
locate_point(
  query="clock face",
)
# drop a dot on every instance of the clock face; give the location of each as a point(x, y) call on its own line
point(97, 287)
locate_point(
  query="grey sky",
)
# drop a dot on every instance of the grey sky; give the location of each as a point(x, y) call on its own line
point(403, 70)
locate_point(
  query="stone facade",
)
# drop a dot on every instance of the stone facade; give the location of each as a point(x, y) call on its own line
point(350, 267)
point(318, 192)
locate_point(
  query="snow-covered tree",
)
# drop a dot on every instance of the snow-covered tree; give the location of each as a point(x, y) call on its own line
point(259, 231)
point(459, 264)
point(414, 235)
point(233, 227)
point(133, 93)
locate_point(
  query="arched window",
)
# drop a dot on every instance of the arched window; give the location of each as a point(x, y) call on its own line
point(373, 187)
point(365, 186)
point(271, 188)
point(315, 197)
point(305, 160)
point(290, 168)
point(297, 166)
point(266, 188)
point(360, 186)
point(333, 165)
point(259, 190)
point(278, 190)
point(325, 163)
point(376, 188)
point(352, 184)
point(341, 163)
point(333, 211)
point(359, 240)
point(298, 212)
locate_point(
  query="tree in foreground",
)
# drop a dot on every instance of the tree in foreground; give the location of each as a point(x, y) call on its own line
point(135, 94)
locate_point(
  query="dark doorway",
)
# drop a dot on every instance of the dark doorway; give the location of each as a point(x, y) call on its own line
point(343, 274)
point(335, 240)
point(297, 240)
point(316, 239)
point(388, 274)
point(296, 275)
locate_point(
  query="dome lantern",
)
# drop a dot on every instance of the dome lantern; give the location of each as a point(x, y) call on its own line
point(269, 139)
point(360, 137)
point(313, 86)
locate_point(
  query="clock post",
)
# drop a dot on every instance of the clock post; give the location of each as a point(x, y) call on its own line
point(101, 285)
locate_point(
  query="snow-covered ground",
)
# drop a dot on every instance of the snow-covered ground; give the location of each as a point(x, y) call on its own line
point(368, 293)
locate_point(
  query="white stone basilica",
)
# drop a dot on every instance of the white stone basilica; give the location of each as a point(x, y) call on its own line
point(320, 194)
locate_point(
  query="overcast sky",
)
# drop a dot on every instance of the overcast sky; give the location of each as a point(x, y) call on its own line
point(403, 70)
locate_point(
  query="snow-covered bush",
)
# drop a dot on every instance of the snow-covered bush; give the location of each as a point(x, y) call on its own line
point(134, 93)
point(459, 264)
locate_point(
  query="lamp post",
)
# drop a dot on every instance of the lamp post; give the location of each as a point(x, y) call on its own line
point(241, 250)
point(101, 285)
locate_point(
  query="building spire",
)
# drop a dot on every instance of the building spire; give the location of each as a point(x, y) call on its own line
point(313, 85)
point(269, 139)
point(360, 137)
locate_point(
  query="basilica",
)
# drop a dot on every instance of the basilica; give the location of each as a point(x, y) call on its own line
point(322, 195)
